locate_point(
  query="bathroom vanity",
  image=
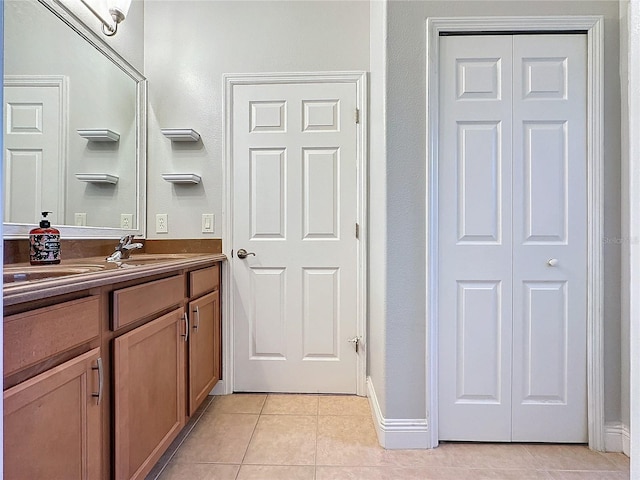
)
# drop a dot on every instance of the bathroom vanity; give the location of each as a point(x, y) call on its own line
point(105, 363)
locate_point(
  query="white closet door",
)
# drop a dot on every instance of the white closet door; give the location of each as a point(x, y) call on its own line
point(549, 239)
point(512, 238)
point(474, 172)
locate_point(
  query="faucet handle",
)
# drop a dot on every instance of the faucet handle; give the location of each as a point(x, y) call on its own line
point(125, 240)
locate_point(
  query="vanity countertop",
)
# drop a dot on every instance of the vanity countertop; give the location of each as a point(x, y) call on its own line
point(24, 282)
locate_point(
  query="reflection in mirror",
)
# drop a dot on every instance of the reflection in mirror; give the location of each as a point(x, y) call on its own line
point(60, 78)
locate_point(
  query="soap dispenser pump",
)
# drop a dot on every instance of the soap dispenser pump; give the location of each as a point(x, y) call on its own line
point(44, 243)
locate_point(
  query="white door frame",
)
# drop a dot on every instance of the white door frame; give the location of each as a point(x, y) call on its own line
point(593, 25)
point(359, 79)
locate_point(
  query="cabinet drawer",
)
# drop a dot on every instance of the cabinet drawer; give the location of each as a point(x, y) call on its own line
point(137, 302)
point(34, 336)
point(204, 280)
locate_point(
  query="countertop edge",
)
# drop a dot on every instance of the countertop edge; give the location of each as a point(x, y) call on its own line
point(37, 290)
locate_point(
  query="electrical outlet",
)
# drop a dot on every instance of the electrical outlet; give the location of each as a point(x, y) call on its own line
point(208, 222)
point(162, 223)
point(126, 220)
point(80, 219)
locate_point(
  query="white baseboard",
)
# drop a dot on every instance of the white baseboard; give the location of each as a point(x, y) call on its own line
point(397, 433)
point(220, 389)
point(617, 438)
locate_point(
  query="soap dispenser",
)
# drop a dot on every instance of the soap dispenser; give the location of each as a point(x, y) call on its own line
point(44, 243)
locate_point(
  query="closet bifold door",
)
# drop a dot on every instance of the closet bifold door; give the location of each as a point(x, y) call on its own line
point(512, 238)
point(549, 388)
point(474, 235)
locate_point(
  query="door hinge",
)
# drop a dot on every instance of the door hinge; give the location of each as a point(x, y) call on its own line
point(356, 343)
point(357, 115)
point(357, 230)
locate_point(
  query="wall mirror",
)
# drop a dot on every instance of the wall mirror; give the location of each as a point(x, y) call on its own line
point(74, 127)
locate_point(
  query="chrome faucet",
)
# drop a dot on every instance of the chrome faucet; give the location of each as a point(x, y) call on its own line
point(123, 250)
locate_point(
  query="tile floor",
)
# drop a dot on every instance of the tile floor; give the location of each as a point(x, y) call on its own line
point(311, 437)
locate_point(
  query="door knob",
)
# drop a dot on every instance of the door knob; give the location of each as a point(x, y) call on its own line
point(242, 253)
point(552, 262)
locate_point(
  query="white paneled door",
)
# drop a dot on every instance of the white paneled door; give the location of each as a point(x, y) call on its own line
point(33, 167)
point(294, 213)
point(512, 238)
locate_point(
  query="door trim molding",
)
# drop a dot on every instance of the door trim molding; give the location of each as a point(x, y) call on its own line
point(593, 25)
point(230, 81)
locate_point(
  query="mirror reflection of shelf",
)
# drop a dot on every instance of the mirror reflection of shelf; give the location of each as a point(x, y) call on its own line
point(184, 178)
point(99, 135)
point(181, 134)
point(98, 178)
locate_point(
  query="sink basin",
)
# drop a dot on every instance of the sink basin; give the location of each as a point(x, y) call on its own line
point(42, 272)
point(148, 258)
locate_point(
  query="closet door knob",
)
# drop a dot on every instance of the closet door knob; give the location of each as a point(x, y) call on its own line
point(552, 262)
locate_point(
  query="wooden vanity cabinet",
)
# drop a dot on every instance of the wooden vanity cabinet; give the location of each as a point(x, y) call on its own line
point(205, 335)
point(148, 369)
point(98, 382)
point(148, 372)
point(52, 423)
point(53, 399)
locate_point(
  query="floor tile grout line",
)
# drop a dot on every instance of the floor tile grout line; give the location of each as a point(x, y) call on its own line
point(255, 427)
point(315, 455)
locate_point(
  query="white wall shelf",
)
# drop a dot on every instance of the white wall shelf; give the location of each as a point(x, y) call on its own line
point(181, 178)
point(181, 134)
point(98, 178)
point(99, 134)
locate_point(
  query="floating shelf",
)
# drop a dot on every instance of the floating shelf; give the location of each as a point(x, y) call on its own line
point(99, 135)
point(181, 177)
point(181, 134)
point(97, 178)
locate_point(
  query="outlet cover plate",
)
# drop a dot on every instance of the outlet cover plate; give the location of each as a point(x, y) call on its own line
point(162, 223)
point(80, 219)
point(126, 221)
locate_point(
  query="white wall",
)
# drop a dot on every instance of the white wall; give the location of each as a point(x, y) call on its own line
point(190, 45)
point(632, 187)
point(625, 264)
point(406, 126)
point(376, 338)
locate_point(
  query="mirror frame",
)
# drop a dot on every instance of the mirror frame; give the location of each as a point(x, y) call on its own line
point(21, 230)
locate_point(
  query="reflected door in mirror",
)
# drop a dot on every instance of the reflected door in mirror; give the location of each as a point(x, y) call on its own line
point(34, 143)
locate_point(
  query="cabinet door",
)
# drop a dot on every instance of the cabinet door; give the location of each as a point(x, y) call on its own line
point(149, 393)
point(204, 348)
point(52, 423)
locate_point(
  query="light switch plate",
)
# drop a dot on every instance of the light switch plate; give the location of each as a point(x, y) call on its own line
point(126, 220)
point(80, 219)
point(162, 223)
point(208, 223)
